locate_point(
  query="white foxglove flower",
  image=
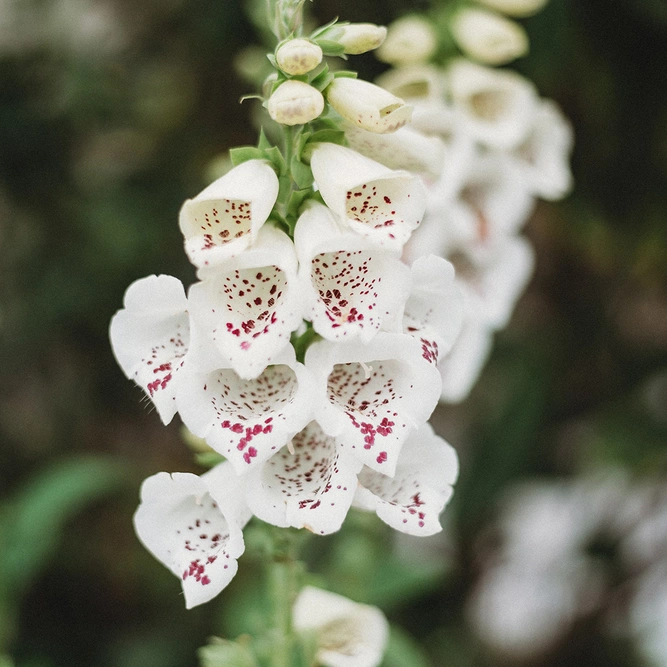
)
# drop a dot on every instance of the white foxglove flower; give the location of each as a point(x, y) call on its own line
point(488, 37)
point(434, 311)
point(373, 395)
point(295, 103)
point(193, 526)
point(412, 500)
point(249, 307)
point(309, 483)
point(359, 38)
point(417, 83)
point(543, 157)
point(298, 56)
point(497, 279)
point(411, 39)
point(373, 200)
point(247, 421)
point(151, 336)
point(225, 218)
point(496, 107)
point(461, 367)
point(350, 288)
point(515, 7)
point(348, 634)
point(404, 149)
point(367, 106)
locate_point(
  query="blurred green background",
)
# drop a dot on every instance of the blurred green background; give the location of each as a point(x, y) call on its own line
point(110, 113)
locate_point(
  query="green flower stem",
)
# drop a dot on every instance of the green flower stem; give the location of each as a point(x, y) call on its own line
point(284, 574)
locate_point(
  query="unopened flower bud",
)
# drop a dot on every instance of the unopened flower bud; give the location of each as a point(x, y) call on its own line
point(295, 103)
point(515, 7)
point(362, 37)
point(368, 106)
point(410, 40)
point(488, 37)
point(298, 56)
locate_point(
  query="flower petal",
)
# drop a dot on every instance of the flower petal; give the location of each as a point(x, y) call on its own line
point(350, 287)
point(434, 310)
point(368, 106)
point(348, 634)
point(376, 394)
point(421, 487)
point(248, 420)
point(310, 488)
point(150, 338)
point(181, 524)
point(224, 218)
point(375, 201)
point(249, 307)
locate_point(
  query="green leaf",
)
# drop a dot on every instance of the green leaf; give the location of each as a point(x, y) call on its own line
point(301, 173)
point(245, 153)
point(36, 518)
point(329, 47)
point(274, 155)
point(345, 74)
point(225, 653)
point(328, 136)
point(335, 33)
point(263, 143)
point(297, 197)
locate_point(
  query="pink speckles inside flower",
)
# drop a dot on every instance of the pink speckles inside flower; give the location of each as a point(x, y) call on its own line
point(247, 421)
point(221, 221)
point(310, 484)
point(185, 527)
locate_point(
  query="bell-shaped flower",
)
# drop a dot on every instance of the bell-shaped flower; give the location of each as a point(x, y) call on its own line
point(404, 149)
point(421, 84)
point(193, 526)
point(347, 634)
point(247, 421)
point(371, 396)
point(412, 500)
point(298, 56)
point(496, 280)
point(359, 38)
point(225, 218)
point(462, 365)
point(434, 310)
point(488, 37)
point(150, 337)
point(295, 103)
point(496, 107)
point(367, 106)
point(350, 288)
point(410, 39)
point(373, 200)
point(543, 158)
point(249, 307)
point(309, 483)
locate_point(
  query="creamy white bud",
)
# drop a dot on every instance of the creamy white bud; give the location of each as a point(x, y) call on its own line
point(410, 40)
point(295, 103)
point(367, 106)
point(298, 56)
point(515, 7)
point(362, 37)
point(488, 37)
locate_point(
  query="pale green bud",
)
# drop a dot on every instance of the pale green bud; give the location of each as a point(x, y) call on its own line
point(298, 56)
point(515, 7)
point(362, 37)
point(488, 37)
point(410, 40)
point(295, 103)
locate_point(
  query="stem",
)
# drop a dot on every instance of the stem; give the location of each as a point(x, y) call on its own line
point(283, 574)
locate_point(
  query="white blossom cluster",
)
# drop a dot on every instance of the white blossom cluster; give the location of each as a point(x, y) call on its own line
point(304, 439)
point(547, 574)
point(486, 146)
